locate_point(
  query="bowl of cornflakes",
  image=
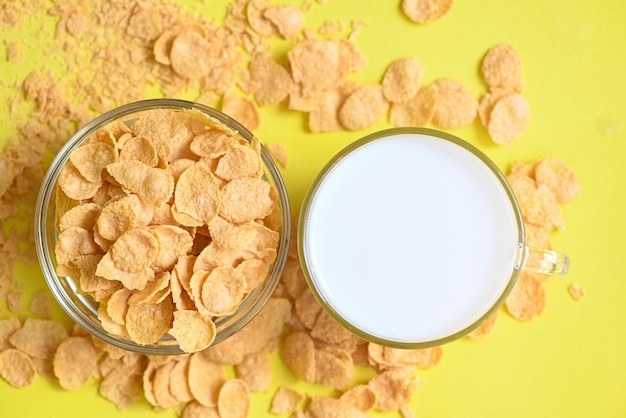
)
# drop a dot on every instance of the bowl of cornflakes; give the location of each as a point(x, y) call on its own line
point(162, 227)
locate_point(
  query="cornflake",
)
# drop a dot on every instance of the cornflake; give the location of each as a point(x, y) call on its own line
point(233, 399)
point(286, 401)
point(17, 368)
point(456, 105)
point(575, 291)
point(362, 397)
point(502, 68)
point(527, 300)
point(402, 80)
point(363, 108)
point(39, 338)
point(508, 119)
point(426, 11)
point(279, 153)
point(418, 110)
point(485, 328)
point(75, 361)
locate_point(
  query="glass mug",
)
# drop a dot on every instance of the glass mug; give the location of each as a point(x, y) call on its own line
point(412, 238)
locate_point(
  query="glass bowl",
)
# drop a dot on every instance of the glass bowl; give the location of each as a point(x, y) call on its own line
point(83, 309)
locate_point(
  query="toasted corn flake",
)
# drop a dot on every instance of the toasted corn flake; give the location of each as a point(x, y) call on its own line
point(242, 109)
point(74, 185)
point(575, 291)
point(286, 401)
point(191, 55)
point(502, 68)
point(238, 162)
point(193, 331)
point(363, 108)
point(559, 177)
point(402, 80)
point(279, 153)
point(394, 388)
point(416, 111)
point(298, 353)
point(246, 199)
point(39, 338)
point(288, 19)
point(134, 250)
point(146, 323)
point(485, 328)
point(508, 119)
point(234, 399)
point(205, 379)
point(456, 105)
point(256, 370)
point(270, 81)
point(333, 367)
point(197, 193)
point(362, 397)
point(426, 11)
point(91, 159)
point(75, 362)
point(17, 368)
point(527, 300)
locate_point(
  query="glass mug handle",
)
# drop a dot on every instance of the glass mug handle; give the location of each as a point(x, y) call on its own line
point(544, 261)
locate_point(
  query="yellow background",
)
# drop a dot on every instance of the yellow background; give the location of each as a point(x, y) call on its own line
point(571, 361)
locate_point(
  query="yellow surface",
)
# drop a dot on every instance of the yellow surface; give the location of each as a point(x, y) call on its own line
point(571, 361)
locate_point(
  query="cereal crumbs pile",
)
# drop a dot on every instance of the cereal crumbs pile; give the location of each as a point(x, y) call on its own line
point(119, 51)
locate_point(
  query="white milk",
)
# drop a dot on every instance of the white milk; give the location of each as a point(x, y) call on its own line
point(410, 238)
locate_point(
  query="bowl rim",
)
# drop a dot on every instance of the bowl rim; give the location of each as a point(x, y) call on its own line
point(63, 290)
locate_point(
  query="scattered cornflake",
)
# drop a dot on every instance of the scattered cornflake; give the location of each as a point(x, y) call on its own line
point(363, 108)
point(394, 388)
point(331, 27)
point(288, 19)
point(333, 367)
point(17, 368)
point(279, 153)
point(298, 353)
point(527, 300)
point(508, 119)
point(485, 328)
point(195, 409)
point(39, 338)
point(192, 330)
point(205, 379)
point(456, 105)
point(502, 69)
point(233, 400)
point(559, 177)
point(575, 291)
point(426, 11)
point(255, 370)
point(242, 110)
point(402, 80)
point(324, 407)
point(286, 401)
point(362, 397)
point(75, 361)
point(269, 81)
point(41, 305)
point(7, 327)
point(418, 110)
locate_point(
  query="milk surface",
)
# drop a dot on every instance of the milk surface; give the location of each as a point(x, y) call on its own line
point(410, 238)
